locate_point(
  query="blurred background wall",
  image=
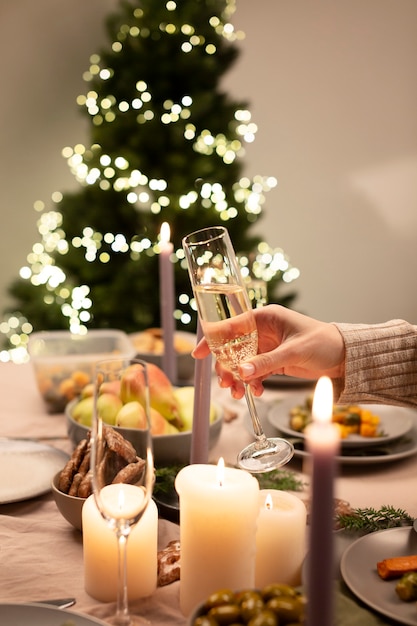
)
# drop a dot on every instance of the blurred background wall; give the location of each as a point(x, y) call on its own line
point(332, 87)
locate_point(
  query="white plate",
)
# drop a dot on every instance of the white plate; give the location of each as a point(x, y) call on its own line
point(32, 614)
point(394, 421)
point(397, 450)
point(27, 468)
point(358, 568)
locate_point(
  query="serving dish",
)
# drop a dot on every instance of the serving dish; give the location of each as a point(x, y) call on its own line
point(395, 422)
point(358, 569)
point(64, 362)
point(185, 362)
point(168, 449)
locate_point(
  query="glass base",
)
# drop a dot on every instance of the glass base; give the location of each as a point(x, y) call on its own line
point(126, 620)
point(265, 456)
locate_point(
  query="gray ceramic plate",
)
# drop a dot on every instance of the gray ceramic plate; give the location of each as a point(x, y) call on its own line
point(358, 569)
point(43, 615)
point(394, 421)
point(397, 450)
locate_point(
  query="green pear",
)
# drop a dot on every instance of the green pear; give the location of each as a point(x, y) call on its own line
point(185, 400)
point(160, 425)
point(108, 406)
point(131, 415)
point(83, 411)
point(161, 391)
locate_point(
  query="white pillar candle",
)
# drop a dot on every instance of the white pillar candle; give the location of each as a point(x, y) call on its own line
point(323, 442)
point(280, 538)
point(218, 512)
point(101, 554)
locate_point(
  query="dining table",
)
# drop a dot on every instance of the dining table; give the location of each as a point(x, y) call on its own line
point(41, 554)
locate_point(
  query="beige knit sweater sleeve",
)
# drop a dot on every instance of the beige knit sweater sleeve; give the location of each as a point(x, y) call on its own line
point(380, 364)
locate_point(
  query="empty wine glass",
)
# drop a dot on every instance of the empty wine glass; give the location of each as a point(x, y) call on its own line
point(122, 476)
point(229, 326)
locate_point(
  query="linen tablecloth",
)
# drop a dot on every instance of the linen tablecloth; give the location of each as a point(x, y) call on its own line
point(41, 554)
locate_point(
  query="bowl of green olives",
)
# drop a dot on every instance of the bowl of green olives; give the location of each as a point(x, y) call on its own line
point(274, 605)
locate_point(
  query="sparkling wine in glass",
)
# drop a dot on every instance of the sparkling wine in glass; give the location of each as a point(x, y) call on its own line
point(122, 475)
point(229, 326)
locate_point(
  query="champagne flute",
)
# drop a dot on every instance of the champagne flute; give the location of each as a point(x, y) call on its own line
point(220, 293)
point(121, 504)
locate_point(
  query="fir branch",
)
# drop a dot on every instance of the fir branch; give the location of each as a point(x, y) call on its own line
point(165, 478)
point(285, 480)
point(369, 519)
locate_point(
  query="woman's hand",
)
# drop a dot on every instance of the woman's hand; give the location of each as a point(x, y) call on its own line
point(288, 343)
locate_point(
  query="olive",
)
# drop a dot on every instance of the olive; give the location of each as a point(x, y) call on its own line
point(251, 605)
point(205, 620)
point(223, 596)
point(277, 590)
point(288, 609)
point(264, 618)
point(246, 593)
point(225, 614)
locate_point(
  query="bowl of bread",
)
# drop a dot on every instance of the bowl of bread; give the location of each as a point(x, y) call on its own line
point(72, 485)
point(149, 346)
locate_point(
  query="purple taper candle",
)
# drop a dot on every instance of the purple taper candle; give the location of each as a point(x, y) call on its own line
point(167, 298)
point(201, 413)
point(323, 441)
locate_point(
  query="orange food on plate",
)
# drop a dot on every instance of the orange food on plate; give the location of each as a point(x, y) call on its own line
point(351, 419)
point(396, 567)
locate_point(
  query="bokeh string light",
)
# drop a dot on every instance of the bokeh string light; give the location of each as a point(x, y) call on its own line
point(94, 167)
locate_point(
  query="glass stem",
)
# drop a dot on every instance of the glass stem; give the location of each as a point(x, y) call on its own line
point(256, 424)
point(122, 609)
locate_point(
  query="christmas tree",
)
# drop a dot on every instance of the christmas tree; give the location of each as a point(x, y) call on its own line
point(166, 145)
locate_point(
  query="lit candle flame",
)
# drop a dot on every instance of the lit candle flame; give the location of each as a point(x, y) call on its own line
point(322, 409)
point(220, 471)
point(269, 505)
point(165, 233)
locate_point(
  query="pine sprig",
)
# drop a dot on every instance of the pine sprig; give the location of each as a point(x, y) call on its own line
point(284, 480)
point(369, 519)
point(165, 478)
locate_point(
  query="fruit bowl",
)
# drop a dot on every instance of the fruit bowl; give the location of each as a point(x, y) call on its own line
point(149, 347)
point(169, 449)
point(70, 507)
